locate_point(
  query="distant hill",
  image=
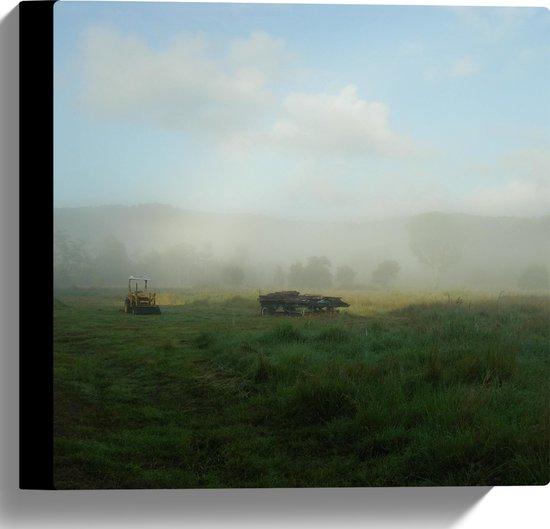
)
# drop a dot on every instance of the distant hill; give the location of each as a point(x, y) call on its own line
point(488, 245)
point(156, 227)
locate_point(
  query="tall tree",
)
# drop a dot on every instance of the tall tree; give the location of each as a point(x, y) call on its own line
point(385, 272)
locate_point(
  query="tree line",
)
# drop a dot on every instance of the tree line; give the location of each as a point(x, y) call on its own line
point(433, 241)
point(186, 266)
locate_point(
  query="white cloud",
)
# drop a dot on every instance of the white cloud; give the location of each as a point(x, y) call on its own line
point(260, 53)
point(520, 197)
point(187, 83)
point(526, 191)
point(192, 84)
point(341, 123)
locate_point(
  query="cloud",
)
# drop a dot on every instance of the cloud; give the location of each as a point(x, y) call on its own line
point(342, 123)
point(518, 197)
point(188, 83)
point(192, 84)
point(260, 54)
point(525, 193)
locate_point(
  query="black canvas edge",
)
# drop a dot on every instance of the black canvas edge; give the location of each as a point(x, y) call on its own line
point(36, 244)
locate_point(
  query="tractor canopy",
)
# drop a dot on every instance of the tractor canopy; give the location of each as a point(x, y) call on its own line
point(137, 281)
point(139, 300)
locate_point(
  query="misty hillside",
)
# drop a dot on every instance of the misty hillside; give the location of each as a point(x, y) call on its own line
point(236, 237)
point(480, 249)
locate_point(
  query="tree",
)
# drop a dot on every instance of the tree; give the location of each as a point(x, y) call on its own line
point(435, 243)
point(296, 275)
point(112, 264)
point(317, 273)
point(71, 261)
point(345, 275)
point(279, 277)
point(385, 272)
point(233, 275)
point(534, 278)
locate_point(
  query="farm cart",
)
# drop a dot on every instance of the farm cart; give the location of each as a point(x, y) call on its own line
point(140, 300)
point(291, 302)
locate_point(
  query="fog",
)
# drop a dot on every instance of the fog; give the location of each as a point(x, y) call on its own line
point(102, 246)
point(301, 146)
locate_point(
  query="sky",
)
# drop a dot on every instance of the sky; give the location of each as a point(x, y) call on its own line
point(304, 112)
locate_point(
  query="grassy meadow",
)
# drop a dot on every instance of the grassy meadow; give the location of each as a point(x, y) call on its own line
point(401, 389)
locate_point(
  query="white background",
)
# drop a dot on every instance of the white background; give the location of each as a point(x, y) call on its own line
point(465, 507)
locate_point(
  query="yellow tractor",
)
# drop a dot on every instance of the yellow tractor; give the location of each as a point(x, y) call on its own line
point(139, 300)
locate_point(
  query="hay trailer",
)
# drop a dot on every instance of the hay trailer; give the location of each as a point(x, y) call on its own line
point(140, 300)
point(292, 303)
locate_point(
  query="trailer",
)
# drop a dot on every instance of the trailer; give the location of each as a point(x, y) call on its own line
point(292, 303)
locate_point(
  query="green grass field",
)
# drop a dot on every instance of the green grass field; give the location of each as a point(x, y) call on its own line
point(398, 390)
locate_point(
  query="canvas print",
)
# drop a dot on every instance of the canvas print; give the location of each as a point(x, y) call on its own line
point(300, 245)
